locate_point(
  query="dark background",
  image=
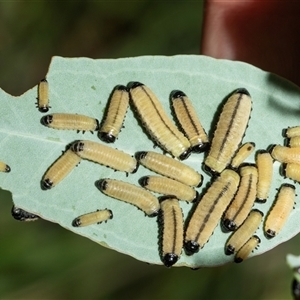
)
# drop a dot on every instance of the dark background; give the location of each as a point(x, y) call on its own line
point(41, 260)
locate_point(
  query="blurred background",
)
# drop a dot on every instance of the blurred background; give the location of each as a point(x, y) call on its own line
point(41, 260)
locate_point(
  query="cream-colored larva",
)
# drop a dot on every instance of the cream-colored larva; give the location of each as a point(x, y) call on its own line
point(130, 193)
point(264, 164)
point(115, 114)
point(244, 232)
point(95, 217)
point(4, 167)
point(23, 215)
point(230, 130)
point(243, 152)
point(70, 122)
point(60, 169)
point(209, 210)
point(156, 121)
point(244, 199)
point(280, 211)
point(105, 155)
point(188, 119)
point(169, 167)
point(171, 223)
point(167, 186)
point(246, 249)
point(43, 96)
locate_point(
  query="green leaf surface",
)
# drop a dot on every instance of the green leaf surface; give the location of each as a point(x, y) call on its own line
point(83, 85)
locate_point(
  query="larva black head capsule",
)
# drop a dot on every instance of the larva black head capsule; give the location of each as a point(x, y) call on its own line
point(106, 137)
point(170, 259)
point(202, 147)
point(229, 250)
point(46, 120)
point(185, 154)
point(177, 94)
point(46, 184)
point(77, 146)
point(76, 222)
point(43, 108)
point(121, 87)
point(101, 184)
point(191, 247)
point(133, 84)
point(270, 233)
point(242, 91)
point(229, 225)
point(296, 289)
point(7, 169)
point(143, 181)
point(140, 155)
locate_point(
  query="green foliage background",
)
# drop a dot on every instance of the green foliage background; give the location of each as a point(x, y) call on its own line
point(41, 260)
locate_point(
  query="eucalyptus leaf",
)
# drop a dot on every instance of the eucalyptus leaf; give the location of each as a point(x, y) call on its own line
point(83, 86)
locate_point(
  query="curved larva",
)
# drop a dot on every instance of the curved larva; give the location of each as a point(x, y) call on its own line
point(209, 210)
point(264, 163)
point(292, 171)
point(4, 167)
point(167, 186)
point(105, 155)
point(95, 217)
point(244, 199)
point(115, 114)
point(230, 130)
point(43, 96)
point(292, 131)
point(70, 122)
point(246, 249)
point(286, 154)
point(157, 122)
point(60, 169)
point(171, 223)
point(280, 211)
point(188, 119)
point(130, 193)
point(243, 152)
point(23, 215)
point(244, 232)
point(169, 167)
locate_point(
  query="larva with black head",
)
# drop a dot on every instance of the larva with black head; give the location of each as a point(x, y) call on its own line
point(115, 114)
point(170, 220)
point(246, 249)
point(264, 164)
point(167, 186)
point(188, 119)
point(243, 152)
point(239, 208)
point(244, 232)
point(169, 167)
point(131, 194)
point(105, 155)
point(230, 130)
point(280, 211)
point(43, 96)
point(209, 210)
point(20, 214)
point(285, 154)
point(291, 132)
point(95, 217)
point(60, 169)
point(292, 171)
point(65, 121)
point(4, 167)
point(157, 123)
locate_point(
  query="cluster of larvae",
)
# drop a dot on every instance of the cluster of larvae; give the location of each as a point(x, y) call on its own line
point(234, 188)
